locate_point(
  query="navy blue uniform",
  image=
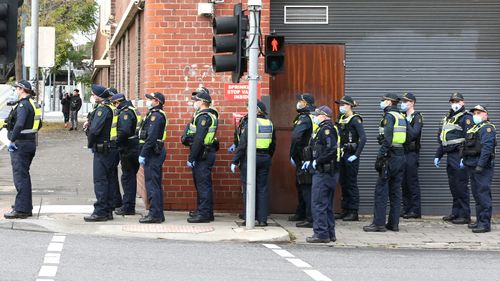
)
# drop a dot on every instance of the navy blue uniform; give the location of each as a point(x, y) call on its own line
point(153, 149)
point(388, 186)
point(204, 158)
point(324, 146)
point(128, 147)
point(411, 186)
point(353, 140)
point(479, 155)
point(20, 119)
point(301, 134)
point(457, 177)
point(263, 163)
point(105, 159)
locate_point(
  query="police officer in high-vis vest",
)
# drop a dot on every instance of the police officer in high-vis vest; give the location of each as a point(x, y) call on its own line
point(390, 166)
point(23, 123)
point(202, 131)
point(303, 128)
point(451, 138)
point(411, 186)
point(236, 142)
point(128, 148)
point(352, 142)
point(265, 144)
point(478, 158)
point(152, 137)
point(102, 141)
point(325, 157)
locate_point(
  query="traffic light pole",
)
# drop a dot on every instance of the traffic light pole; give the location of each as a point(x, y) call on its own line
point(254, 6)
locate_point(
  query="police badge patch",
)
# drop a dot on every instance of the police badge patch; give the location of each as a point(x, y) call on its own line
point(467, 121)
point(327, 132)
point(125, 117)
point(488, 130)
point(153, 118)
point(99, 113)
point(203, 122)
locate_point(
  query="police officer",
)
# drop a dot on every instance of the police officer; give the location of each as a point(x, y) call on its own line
point(152, 136)
point(102, 136)
point(116, 183)
point(128, 149)
point(390, 166)
point(265, 144)
point(478, 157)
point(303, 128)
point(451, 138)
point(202, 129)
point(352, 142)
point(236, 141)
point(23, 123)
point(325, 148)
point(411, 187)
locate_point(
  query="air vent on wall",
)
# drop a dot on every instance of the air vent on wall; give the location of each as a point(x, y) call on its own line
point(306, 14)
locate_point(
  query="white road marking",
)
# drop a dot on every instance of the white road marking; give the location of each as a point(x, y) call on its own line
point(47, 271)
point(38, 279)
point(52, 258)
point(55, 247)
point(284, 253)
point(58, 238)
point(313, 273)
point(298, 262)
point(316, 275)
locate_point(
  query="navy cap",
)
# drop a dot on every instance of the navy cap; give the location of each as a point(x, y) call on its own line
point(391, 97)
point(409, 96)
point(323, 110)
point(202, 94)
point(262, 107)
point(456, 97)
point(156, 95)
point(347, 100)
point(112, 91)
point(23, 84)
point(118, 97)
point(480, 108)
point(306, 97)
point(100, 91)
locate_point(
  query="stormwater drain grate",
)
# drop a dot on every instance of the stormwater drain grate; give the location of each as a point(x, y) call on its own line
point(158, 228)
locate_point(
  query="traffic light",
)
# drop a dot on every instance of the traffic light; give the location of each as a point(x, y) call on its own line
point(275, 54)
point(8, 30)
point(231, 33)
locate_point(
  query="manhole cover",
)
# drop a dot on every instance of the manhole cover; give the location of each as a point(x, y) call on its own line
point(156, 228)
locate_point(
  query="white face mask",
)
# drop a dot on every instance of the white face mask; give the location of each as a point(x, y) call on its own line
point(456, 106)
point(404, 106)
point(299, 105)
point(149, 104)
point(382, 105)
point(316, 120)
point(196, 106)
point(92, 100)
point(343, 109)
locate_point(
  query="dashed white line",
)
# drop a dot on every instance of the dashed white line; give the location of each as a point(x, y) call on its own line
point(52, 258)
point(58, 238)
point(314, 274)
point(47, 271)
point(55, 247)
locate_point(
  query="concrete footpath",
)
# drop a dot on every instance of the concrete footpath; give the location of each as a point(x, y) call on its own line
point(63, 194)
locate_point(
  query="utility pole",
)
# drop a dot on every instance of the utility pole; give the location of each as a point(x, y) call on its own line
point(34, 44)
point(254, 6)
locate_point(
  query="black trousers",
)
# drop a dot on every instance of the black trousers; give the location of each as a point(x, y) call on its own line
point(21, 161)
point(104, 166)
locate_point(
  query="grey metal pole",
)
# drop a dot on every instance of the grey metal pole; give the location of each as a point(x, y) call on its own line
point(254, 7)
point(34, 44)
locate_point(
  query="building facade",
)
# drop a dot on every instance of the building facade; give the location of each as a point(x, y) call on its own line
point(358, 48)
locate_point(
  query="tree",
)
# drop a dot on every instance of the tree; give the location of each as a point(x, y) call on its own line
point(68, 17)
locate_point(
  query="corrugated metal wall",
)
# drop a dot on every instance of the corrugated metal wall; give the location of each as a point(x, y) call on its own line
point(431, 48)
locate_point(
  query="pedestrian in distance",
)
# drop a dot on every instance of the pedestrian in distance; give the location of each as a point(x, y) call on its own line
point(65, 102)
point(324, 165)
point(75, 104)
point(303, 128)
point(451, 138)
point(352, 142)
point(390, 166)
point(411, 186)
point(265, 145)
point(478, 157)
point(22, 125)
point(152, 137)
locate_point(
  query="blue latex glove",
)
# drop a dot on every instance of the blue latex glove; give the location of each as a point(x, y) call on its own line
point(462, 163)
point(12, 147)
point(314, 164)
point(142, 160)
point(437, 161)
point(306, 164)
point(190, 164)
point(233, 168)
point(293, 162)
point(352, 158)
point(231, 148)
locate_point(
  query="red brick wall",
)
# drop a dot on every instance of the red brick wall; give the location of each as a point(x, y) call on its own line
point(175, 37)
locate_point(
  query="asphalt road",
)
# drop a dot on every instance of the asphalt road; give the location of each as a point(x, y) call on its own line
point(99, 258)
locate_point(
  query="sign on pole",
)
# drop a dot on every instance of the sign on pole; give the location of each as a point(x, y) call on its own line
point(234, 91)
point(46, 46)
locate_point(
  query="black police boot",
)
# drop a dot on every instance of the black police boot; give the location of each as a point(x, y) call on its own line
point(392, 227)
point(198, 219)
point(95, 218)
point(304, 224)
point(374, 228)
point(461, 221)
point(339, 216)
point(149, 219)
point(122, 212)
point(261, 224)
point(481, 229)
point(412, 215)
point(450, 217)
point(296, 218)
point(314, 239)
point(16, 215)
point(472, 225)
point(351, 215)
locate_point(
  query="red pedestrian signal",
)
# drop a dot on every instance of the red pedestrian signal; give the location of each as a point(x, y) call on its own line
point(8, 30)
point(275, 54)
